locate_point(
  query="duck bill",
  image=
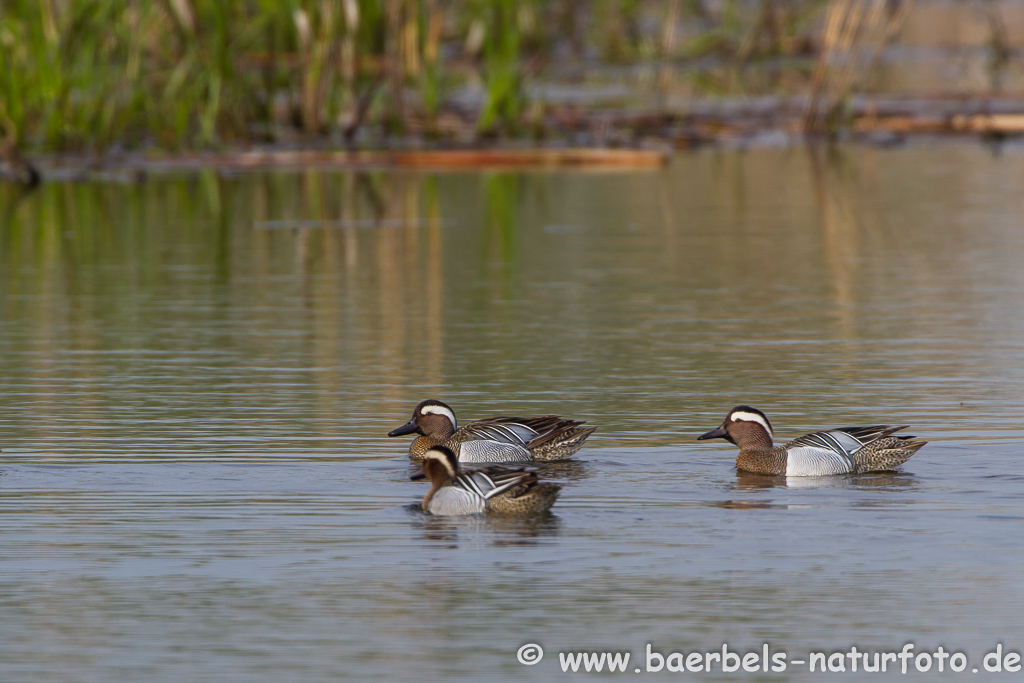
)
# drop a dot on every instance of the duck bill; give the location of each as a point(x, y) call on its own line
point(717, 433)
point(408, 428)
point(419, 476)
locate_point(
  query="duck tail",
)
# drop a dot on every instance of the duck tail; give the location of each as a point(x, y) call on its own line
point(561, 443)
point(529, 498)
point(886, 453)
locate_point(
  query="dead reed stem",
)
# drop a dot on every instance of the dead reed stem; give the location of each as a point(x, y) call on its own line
point(854, 35)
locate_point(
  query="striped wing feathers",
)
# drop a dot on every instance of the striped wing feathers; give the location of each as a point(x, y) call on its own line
point(869, 434)
point(836, 441)
point(521, 431)
point(833, 451)
point(491, 481)
point(821, 453)
point(511, 430)
point(845, 440)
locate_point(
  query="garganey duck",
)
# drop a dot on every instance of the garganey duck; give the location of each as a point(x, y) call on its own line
point(836, 451)
point(495, 439)
point(495, 489)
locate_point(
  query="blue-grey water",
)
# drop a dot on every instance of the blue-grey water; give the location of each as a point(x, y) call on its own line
point(197, 374)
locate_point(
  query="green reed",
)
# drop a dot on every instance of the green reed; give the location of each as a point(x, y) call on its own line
point(171, 74)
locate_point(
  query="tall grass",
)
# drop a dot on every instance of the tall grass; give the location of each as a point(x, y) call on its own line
point(169, 74)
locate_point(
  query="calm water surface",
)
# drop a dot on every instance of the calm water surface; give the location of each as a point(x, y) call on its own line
point(197, 375)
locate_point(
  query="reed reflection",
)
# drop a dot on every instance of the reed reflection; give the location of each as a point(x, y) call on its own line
point(775, 277)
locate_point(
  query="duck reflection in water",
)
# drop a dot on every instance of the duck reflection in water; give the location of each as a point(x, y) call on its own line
point(487, 531)
point(871, 480)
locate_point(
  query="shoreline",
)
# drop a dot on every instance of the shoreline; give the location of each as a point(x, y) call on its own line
point(573, 138)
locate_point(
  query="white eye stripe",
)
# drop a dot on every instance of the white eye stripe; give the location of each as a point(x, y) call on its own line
point(439, 410)
point(443, 458)
point(752, 417)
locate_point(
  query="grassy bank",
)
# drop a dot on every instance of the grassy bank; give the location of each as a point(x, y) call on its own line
point(177, 74)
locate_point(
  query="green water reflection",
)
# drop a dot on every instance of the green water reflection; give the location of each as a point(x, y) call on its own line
point(816, 283)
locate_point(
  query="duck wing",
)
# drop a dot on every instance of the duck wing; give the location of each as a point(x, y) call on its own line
point(869, 434)
point(518, 431)
point(519, 439)
point(488, 482)
point(818, 453)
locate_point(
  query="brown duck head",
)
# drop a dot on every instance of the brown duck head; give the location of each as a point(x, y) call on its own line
point(745, 427)
point(431, 418)
point(440, 466)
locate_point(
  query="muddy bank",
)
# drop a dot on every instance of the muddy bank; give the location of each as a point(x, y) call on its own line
point(575, 137)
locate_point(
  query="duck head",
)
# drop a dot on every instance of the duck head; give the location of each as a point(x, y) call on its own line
point(431, 418)
point(745, 427)
point(439, 466)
